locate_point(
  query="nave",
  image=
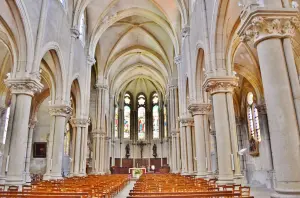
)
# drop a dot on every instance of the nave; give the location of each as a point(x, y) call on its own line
point(121, 186)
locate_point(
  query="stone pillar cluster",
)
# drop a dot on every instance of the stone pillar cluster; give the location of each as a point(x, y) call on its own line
point(270, 31)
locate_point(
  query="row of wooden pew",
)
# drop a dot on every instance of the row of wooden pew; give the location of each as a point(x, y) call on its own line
point(173, 185)
point(94, 186)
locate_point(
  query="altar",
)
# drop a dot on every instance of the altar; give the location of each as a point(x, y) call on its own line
point(137, 172)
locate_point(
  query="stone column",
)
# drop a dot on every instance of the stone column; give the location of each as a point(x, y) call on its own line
point(187, 123)
point(221, 89)
point(178, 152)
point(174, 163)
point(199, 110)
point(60, 112)
point(23, 89)
point(267, 29)
point(80, 144)
point(95, 157)
point(102, 153)
point(32, 124)
point(84, 148)
point(183, 149)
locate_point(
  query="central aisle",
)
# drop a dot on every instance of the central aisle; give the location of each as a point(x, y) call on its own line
point(125, 192)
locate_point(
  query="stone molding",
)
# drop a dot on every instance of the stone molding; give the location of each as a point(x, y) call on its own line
point(187, 121)
point(91, 61)
point(200, 108)
point(60, 110)
point(185, 32)
point(77, 122)
point(101, 86)
point(220, 84)
point(261, 25)
point(25, 86)
point(178, 60)
point(32, 123)
point(75, 32)
point(262, 109)
point(172, 87)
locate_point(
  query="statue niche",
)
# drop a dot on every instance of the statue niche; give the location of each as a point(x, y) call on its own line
point(154, 149)
point(127, 151)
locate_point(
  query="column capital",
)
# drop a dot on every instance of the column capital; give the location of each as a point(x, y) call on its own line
point(172, 86)
point(187, 121)
point(178, 60)
point(200, 108)
point(75, 32)
point(32, 123)
point(185, 32)
point(90, 61)
point(263, 24)
point(78, 122)
point(262, 109)
point(62, 110)
point(174, 133)
point(26, 86)
point(101, 86)
point(220, 84)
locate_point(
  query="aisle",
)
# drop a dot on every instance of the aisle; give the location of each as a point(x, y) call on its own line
point(125, 192)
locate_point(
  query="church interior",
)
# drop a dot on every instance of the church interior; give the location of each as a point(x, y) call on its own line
point(150, 98)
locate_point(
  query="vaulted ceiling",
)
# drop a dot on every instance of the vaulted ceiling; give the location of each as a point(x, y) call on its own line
point(134, 39)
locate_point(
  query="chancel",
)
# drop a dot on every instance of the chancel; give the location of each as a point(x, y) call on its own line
point(178, 98)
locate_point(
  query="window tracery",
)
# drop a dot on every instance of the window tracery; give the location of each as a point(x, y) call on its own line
point(141, 117)
point(116, 121)
point(127, 112)
point(6, 124)
point(155, 116)
point(253, 124)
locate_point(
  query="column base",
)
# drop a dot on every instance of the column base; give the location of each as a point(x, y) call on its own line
point(27, 178)
point(13, 180)
point(82, 174)
point(238, 179)
point(2, 179)
point(286, 194)
point(225, 180)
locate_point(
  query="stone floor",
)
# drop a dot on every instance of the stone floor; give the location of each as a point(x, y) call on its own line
point(256, 192)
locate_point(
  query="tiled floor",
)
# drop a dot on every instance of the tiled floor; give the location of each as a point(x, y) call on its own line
point(261, 192)
point(125, 192)
point(256, 192)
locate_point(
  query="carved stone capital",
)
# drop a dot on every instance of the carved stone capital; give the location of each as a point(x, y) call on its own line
point(60, 110)
point(262, 109)
point(260, 25)
point(75, 32)
point(102, 134)
point(77, 122)
point(101, 86)
point(26, 86)
point(177, 60)
point(220, 84)
point(186, 121)
point(199, 108)
point(91, 61)
point(32, 123)
point(172, 86)
point(185, 32)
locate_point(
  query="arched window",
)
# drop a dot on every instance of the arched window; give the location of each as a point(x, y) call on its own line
point(82, 27)
point(6, 124)
point(116, 121)
point(165, 122)
point(253, 120)
point(127, 111)
point(67, 140)
point(155, 116)
point(141, 117)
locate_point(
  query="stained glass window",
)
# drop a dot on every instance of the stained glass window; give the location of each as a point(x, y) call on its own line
point(141, 117)
point(116, 121)
point(165, 122)
point(82, 25)
point(67, 140)
point(253, 120)
point(155, 114)
point(6, 124)
point(127, 111)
